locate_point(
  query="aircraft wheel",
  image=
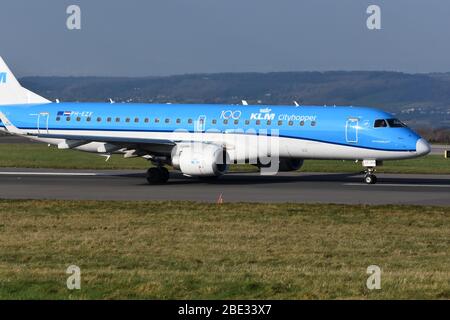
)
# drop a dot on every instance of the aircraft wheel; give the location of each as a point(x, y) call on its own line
point(154, 176)
point(164, 174)
point(370, 179)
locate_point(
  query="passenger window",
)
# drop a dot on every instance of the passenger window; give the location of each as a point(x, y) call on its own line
point(127, 120)
point(58, 118)
point(247, 122)
point(78, 119)
point(380, 123)
point(236, 121)
point(68, 119)
point(302, 123)
point(269, 122)
point(290, 123)
point(117, 119)
point(178, 121)
point(136, 120)
point(280, 122)
point(313, 123)
point(214, 121)
point(156, 120)
point(109, 119)
point(146, 120)
point(88, 119)
point(99, 119)
point(190, 121)
point(167, 120)
point(225, 121)
point(258, 122)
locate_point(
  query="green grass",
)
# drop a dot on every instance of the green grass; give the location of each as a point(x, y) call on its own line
point(23, 155)
point(41, 156)
point(184, 250)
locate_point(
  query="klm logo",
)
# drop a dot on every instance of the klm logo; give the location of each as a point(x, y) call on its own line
point(2, 77)
point(264, 114)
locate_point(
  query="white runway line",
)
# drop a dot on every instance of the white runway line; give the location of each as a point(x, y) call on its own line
point(51, 173)
point(400, 185)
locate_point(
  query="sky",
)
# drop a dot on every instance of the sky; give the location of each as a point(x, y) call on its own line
point(165, 37)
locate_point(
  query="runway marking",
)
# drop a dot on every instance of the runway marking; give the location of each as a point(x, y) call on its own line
point(52, 173)
point(400, 185)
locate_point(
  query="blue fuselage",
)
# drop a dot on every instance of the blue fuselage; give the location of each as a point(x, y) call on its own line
point(347, 126)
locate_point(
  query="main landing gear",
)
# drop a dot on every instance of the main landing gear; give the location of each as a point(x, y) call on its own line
point(369, 169)
point(157, 175)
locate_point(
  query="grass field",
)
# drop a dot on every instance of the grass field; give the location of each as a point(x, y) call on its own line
point(186, 250)
point(41, 156)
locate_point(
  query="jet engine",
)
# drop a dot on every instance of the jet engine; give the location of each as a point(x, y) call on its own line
point(200, 159)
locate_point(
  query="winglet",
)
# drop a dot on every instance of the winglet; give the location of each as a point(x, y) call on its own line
point(9, 126)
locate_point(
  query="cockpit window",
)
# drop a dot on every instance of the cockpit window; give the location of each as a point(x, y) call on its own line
point(395, 123)
point(380, 123)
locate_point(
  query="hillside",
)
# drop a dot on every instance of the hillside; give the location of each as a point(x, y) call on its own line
point(423, 100)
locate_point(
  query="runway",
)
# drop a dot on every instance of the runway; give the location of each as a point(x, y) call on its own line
point(234, 187)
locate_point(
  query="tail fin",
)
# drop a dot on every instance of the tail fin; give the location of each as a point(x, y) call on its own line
point(11, 92)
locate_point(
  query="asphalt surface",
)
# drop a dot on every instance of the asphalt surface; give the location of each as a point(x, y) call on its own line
point(234, 187)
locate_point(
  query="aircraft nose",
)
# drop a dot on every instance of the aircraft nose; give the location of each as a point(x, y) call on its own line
point(422, 147)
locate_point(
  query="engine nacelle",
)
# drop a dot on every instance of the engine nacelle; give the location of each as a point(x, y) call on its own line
point(200, 159)
point(290, 164)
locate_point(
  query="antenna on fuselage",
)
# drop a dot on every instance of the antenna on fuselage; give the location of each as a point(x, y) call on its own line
point(296, 104)
point(57, 100)
point(111, 101)
point(244, 103)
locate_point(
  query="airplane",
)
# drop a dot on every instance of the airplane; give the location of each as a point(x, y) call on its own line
point(201, 140)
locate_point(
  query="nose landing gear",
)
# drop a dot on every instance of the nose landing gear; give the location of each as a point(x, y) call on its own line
point(369, 169)
point(370, 178)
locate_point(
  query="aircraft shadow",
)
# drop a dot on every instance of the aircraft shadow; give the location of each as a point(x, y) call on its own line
point(235, 178)
point(252, 179)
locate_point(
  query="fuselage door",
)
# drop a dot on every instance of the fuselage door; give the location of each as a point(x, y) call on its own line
point(351, 130)
point(42, 122)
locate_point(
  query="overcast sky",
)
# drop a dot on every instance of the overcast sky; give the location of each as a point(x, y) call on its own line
point(161, 37)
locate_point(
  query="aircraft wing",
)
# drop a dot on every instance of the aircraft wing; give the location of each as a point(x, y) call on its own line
point(142, 145)
point(105, 139)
